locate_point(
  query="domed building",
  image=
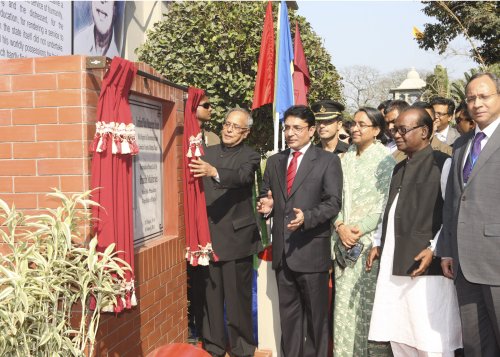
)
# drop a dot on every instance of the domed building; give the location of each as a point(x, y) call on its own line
point(410, 89)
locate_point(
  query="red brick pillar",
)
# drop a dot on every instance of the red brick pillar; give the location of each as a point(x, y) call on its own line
point(47, 121)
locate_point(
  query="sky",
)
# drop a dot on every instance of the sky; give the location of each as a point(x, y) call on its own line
point(379, 34)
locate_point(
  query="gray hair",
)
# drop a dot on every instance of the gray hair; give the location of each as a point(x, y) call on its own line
point(490, 75)
point(241, 110)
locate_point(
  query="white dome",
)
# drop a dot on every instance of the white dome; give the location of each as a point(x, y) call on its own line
point(412, 81)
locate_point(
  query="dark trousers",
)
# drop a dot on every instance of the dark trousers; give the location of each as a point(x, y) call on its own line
point(303, 303)
point(229, 284)
point(196, 298)
point(480, 313)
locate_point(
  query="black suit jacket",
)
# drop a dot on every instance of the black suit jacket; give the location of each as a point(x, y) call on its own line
point(317, 191)
point(231, 218)
point(339, 149)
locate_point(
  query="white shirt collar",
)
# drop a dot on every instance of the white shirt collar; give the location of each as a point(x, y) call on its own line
point(490, 129)
point(303, 150)
point(443, 133)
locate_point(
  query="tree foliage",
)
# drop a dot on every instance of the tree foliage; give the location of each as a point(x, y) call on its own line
point(366, 86)
point(478, 21)
point(458, 86)
point(215, 46)
point(437, 84)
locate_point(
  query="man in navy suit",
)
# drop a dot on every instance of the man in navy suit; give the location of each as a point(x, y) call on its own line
point(302, 191)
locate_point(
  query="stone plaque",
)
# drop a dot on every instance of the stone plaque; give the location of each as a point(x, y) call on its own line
point(147, 178)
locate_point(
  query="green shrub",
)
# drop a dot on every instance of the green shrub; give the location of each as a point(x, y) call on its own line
point(48, 277)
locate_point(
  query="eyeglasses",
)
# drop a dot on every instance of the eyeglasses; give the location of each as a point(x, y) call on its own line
point(402, 130)
point(343, 136)
point(360, 125)
point(205, 105)
point(296, 129)
point(439, 115)
point(482, 97)
point(234, 127)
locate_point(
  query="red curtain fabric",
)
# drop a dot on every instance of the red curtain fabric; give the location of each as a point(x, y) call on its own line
point(111, 173)
point(198, 243)
point(264, 83)
point(301, 78)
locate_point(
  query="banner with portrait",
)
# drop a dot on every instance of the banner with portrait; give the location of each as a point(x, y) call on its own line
point(98, 28)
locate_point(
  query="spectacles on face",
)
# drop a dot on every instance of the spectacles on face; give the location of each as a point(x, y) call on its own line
point(296, 129)
point(361, 126)
point(234, 127)
point(402, 130)
point(482, 97)
point(439, 115)
point(343, 136)
point(205, 105)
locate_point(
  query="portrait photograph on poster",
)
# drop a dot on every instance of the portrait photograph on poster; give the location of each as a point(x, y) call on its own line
point(98, 28)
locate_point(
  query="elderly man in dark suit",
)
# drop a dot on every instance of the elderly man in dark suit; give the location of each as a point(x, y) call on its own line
point(228, 172)
point(470, 239)
point(302, 190)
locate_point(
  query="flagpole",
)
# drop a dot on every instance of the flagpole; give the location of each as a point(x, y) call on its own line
point(275, 113)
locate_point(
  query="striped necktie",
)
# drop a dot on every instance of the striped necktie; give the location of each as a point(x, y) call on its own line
point(473, 155)
point(292, 171)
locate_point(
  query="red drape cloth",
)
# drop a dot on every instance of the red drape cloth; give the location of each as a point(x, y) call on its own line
point(264, 83)
point(198, 243)
point(111, 173)
point(301, 78)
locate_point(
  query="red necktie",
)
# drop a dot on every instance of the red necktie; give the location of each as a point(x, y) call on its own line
point(292, 171)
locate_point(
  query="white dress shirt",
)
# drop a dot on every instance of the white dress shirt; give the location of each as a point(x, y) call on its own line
point(488, 131)
point(299, 159)
point(442, 135)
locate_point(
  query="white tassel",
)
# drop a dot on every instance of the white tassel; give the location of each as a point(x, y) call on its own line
point(133, 300)
point(99, 145)
point(114, 147)
point(203, 259)
point(108, 308)
point(125, 147)
point(197, 153)
point(189, 154)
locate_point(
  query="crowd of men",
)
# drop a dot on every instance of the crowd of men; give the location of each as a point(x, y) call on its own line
point(438, 240)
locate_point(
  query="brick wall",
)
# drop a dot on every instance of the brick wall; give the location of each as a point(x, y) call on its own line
point(47, 121)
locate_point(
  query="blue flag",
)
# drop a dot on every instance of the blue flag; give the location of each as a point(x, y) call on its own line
point(284, 83)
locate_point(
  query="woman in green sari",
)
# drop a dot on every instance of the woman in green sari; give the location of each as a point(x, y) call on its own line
point(367, 169)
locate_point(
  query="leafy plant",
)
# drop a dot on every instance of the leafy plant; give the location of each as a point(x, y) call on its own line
point(215, 46)
point(478, 21)
point(437, 84)
point(48, 278)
